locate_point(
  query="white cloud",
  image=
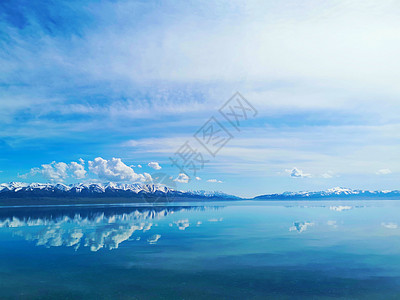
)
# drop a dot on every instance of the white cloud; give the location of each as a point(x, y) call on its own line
point(55, 171)
point(214, 181)
point(384, 172)
point(147, 178)
point(182, 178)
point(58, 171)
point(390, 225)
point(52, 172)
point(110, 170)
point(355, 34)
point(198, 178)
point(139, 166)
point(297, 173)
point(113, 170)
point(154, 165)
point(78, 170)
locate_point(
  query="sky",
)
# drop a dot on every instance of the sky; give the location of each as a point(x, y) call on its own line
point(99, 91)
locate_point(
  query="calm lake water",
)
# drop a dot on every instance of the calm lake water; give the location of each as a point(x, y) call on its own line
point(239, 250)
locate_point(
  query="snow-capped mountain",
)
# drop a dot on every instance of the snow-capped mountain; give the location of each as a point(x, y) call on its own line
point(111, 189)
point(82, 187)
point(333, 193)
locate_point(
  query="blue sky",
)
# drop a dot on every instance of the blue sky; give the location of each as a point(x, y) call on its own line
point(134, 80)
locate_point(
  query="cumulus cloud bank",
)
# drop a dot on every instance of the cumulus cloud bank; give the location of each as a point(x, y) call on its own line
point(113, 170)
point(78, 169)
point(108, 170)
point(58, 171)
point(54, 171)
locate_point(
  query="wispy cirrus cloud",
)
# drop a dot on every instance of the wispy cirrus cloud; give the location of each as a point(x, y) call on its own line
point(105, 46)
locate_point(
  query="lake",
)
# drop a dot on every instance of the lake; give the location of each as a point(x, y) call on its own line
point(230, 250)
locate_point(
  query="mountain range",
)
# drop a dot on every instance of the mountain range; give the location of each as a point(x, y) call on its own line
point(99, 190)
point(135, 190)
point(333, 193)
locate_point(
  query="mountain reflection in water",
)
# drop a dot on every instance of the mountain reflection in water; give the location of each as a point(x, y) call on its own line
point(96, 228)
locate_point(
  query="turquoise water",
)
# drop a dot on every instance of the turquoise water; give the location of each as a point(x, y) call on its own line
point(240, 250)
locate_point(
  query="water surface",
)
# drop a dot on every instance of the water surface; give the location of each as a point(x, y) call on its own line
point(239, 250)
